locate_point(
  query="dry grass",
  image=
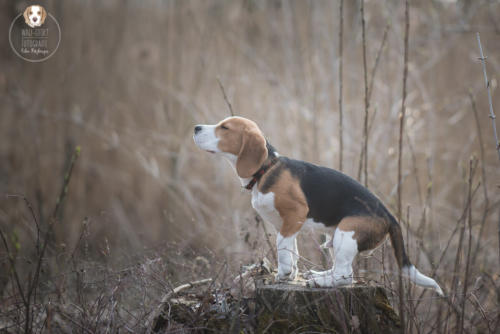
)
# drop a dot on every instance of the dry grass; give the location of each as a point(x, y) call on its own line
point(130, 81)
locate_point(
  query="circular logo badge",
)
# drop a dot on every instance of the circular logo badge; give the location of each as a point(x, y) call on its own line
point(34, 35)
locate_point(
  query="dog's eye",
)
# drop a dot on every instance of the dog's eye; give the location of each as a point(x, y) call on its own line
point(38, 12)
point(224, 127)
point(31, 12)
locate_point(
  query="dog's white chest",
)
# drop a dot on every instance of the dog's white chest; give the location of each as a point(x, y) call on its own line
point(264, 205)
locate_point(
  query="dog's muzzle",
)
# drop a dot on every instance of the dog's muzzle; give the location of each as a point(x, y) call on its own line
point(204, 137)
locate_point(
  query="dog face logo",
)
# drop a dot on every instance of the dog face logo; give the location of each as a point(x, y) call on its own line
point(38, 37)
point(35, 15)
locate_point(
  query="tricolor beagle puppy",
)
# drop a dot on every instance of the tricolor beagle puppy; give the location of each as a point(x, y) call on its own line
point(291, 193)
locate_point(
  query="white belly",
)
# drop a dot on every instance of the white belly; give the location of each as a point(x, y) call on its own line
point(264, 205)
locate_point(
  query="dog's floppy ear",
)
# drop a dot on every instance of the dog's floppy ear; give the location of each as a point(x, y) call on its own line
point(252, 154)
point(44, 15)
point(25, 14)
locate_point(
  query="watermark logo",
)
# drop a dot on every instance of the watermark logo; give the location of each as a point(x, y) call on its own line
point(35, 34)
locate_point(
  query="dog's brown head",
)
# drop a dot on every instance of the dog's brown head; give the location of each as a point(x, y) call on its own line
point(236, 138)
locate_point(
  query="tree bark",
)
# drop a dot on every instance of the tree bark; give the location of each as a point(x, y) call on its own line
point(283, 308)
point(262, 306)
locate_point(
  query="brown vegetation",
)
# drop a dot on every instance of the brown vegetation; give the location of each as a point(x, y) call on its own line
point(145, 210)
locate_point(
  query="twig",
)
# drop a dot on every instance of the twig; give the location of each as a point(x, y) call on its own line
point(492, 114)
point(472, 297)
point(62, 195)
point(225, 97)
point(13, 267)
point(411, 307)
point(266, 235)
point(189, 285)
point(403, 111)
point(341, 114)
point(158, 320)
point(453, 308)
point(469, 221)
point(9, 254)
point(32, 283)
point(363, 158)
point(456, 268)
point(435, 264)
point(483, 177)
point(364, 150)
point(33, 215)
point(400, 151)
point(377, 59)
point(415, 168)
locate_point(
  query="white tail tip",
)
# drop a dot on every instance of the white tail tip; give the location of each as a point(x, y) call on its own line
point(420, 279)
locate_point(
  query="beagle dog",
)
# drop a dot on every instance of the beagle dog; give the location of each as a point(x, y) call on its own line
point(34, 15)
point(292, 193)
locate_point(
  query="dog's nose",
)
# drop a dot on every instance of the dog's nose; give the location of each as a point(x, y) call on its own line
point(197, 129)
point(35, 18)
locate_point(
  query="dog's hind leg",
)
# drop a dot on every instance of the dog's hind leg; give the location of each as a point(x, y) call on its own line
point(328, 244)
point(354, 234)
point(346, 249)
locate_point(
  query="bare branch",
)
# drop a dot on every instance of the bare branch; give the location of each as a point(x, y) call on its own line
point(225, 97)
point(341, 114)
point(367, 102)
point(486, 202)
point(492, 114)
point(259, 220)
point(472, 167)
point(400, 151)
point(377, 59)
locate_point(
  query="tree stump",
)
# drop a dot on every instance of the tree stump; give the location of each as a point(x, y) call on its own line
point(255, 303)
point(284, 308)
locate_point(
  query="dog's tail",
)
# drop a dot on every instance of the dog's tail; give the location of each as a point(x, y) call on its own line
point(408, 269)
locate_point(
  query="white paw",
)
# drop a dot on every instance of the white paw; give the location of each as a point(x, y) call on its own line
point(284, 277)
point(287, 273)
point(320, 282)
point(327, 281)
point(316, 274)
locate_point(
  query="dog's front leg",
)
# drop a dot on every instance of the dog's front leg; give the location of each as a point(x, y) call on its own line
point(287, 257)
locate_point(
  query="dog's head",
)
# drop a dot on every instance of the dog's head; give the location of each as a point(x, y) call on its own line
point(235, 137)
point(34, 16)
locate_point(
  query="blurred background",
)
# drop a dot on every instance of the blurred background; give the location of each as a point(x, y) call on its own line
point(132, 78)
